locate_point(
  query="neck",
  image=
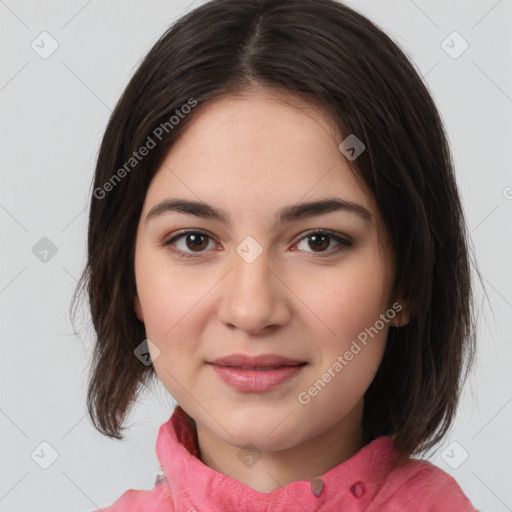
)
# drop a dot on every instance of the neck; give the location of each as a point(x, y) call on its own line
point(306, 461)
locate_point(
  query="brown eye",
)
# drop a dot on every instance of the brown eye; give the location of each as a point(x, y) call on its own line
point(197, 241)
point(194, 242)
point(319, 241)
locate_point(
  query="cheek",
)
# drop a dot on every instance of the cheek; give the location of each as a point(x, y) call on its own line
point(349, 299)
point(350, 353)
point(169, 319)
point(168, 297)
point(168, 311)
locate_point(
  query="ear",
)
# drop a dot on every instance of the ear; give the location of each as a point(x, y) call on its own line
point(402, 314)
point(137, 308)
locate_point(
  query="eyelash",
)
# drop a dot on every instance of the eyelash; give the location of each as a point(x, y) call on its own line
point(344, 244)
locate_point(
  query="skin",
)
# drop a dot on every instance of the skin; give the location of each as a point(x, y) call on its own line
point(251, 155)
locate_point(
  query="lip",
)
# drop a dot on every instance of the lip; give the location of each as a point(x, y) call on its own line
point(256, 373)
point(253, 362)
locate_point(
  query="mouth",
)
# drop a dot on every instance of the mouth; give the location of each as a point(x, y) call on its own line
point(256, 377)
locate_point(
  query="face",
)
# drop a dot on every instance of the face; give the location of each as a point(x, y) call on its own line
point(306, 287)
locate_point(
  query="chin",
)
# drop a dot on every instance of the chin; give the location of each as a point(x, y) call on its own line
point(268, 430)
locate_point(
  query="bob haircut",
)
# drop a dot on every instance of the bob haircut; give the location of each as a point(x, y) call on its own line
point(338, 60)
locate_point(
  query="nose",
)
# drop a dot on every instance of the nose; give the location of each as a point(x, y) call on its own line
point(254, 297)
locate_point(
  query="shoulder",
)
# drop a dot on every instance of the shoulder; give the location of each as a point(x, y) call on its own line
point(158, 499)
point(419, 486)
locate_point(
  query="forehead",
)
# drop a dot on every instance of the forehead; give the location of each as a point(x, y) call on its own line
point(262, 138)
point(261, 120)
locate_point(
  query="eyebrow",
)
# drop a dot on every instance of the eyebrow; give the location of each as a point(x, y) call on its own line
point(287, 214)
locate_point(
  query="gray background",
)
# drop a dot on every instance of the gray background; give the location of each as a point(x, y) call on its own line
point(53, 113)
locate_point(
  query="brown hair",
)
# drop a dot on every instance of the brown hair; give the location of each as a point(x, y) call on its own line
point(328, 53)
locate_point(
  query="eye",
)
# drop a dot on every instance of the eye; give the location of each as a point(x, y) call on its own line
point(321, 240)
point(197, 241)
point(192, 240)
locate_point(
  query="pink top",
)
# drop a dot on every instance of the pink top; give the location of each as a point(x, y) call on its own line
point(365, 482)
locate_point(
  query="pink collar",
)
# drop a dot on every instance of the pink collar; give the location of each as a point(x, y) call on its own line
point(195, 486)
